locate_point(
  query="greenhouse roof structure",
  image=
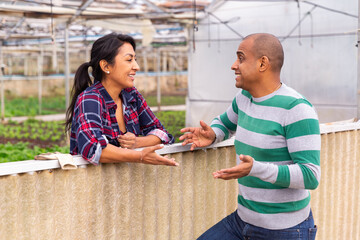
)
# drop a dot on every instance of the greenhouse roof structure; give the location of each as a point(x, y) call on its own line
point(27, 22)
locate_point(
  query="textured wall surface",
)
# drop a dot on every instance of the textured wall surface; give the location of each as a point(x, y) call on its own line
point(335, 203)
point(134, 201)
point(119, 201)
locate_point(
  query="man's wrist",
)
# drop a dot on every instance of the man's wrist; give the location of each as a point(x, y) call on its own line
point(214, 141)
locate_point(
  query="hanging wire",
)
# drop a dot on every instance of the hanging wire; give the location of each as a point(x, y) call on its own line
point(299, 17)
point(298, 24)
point(208, 25)
point(195, 27)
point(218, 39)
point(331, 10)
point(227, 25)
point(311, 30)
point(52, 23)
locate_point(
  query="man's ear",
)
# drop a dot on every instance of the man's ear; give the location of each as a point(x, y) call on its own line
point(104, 65)
point(264, 63)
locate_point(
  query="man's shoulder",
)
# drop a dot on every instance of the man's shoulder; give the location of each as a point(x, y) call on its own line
point(294, 97)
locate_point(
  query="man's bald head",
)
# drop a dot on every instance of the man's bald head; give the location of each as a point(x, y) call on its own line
point(268, 45)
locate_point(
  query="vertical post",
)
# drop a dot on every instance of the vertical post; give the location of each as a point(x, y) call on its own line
point(164, 61)
point(87, 52)
point(26, 64)
point(358, 64)
point(67, 67)
point(158, 78)
point(2, 83)
point(146, 70)
point(10, 65)
point(40, 76)
point(54, 62)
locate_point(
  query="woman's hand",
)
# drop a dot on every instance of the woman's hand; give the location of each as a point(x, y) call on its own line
point(149, 156)
point(128, 140)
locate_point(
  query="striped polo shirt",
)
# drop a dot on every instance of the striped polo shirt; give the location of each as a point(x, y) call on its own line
point(281, 132)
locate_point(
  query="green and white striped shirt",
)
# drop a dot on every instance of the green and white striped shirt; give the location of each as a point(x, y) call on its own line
point(281, 132)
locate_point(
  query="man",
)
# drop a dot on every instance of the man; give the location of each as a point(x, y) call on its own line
point(277, 142)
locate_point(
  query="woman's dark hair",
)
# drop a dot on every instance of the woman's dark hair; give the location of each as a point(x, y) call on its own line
point(105, 48)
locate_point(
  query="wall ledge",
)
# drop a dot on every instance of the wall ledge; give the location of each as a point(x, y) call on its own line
point(339, 127)
point(31, 166)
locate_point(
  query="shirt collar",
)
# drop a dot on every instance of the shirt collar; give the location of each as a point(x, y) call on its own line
point(108, 99)
point(128, 98)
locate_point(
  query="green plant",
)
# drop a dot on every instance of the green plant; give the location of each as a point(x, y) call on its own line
point(173, 121)
point(22, 151)
point(165, 100)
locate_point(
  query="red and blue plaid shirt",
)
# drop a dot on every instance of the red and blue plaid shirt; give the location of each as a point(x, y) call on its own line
point(94, 123)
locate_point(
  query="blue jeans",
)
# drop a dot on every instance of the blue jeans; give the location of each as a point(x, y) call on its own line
point(233, 228)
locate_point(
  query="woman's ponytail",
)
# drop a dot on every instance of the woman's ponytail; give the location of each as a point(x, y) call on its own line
point(82, 80)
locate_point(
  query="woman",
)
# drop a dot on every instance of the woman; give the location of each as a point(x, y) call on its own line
point(107, 117)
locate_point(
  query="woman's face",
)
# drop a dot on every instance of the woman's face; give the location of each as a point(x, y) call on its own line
point(122, 72)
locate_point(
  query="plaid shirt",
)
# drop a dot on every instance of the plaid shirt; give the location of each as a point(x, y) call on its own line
point(94, 123)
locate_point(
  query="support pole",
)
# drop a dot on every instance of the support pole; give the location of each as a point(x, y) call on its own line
point(54, 60)
point(40, 76)
point(146, 71)
point(26, 64)
point(158, 55)
point(2, 83)
point(358, 64)
point(67, 68)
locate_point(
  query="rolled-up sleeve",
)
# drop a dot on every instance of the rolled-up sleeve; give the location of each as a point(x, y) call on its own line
point(164, 136)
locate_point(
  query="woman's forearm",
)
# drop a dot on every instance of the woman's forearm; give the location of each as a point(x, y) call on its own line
point(145, 141)
point(113, 154)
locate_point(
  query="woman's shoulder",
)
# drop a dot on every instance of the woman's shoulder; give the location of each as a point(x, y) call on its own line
point(91, 92)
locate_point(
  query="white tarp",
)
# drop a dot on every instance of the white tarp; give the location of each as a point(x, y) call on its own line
point(320, 56)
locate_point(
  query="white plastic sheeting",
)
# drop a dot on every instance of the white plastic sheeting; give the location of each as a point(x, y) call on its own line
point(320, 54)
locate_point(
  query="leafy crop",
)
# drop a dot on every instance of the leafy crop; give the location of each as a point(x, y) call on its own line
point(30, 106)
point(37, 133)
point(22, 151)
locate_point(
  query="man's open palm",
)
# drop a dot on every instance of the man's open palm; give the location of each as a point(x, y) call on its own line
point(199, 136)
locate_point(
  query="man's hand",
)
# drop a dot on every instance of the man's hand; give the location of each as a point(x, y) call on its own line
point(199, 136)
point(239, 171)
point(128, 140)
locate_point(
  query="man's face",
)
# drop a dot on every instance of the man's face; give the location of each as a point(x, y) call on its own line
point(245, 65)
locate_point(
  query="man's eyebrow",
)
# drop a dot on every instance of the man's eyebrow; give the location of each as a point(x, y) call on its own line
point(240, 53)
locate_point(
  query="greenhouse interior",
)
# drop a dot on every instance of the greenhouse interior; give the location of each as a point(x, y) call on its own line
point(184, 50)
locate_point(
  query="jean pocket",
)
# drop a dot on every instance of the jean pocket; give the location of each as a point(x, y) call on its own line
point(312, 233)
